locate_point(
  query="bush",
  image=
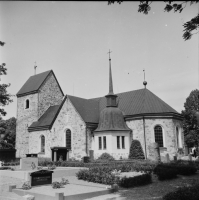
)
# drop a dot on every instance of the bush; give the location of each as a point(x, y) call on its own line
point(98, 175)
point(136, 151)
point(5, 168)
point(26, 186)
point(163, 172)
point(184, 193)
point(106, 157)
point(181, 169)
point(135, 181)
point(56, 185)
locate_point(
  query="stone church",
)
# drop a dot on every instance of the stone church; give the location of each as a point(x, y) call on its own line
point(58, 126)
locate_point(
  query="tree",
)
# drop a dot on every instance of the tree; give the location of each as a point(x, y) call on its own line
point(190, 27)
point(7, 133)
point(5, 98)
point(136, 151)
point(190, 122)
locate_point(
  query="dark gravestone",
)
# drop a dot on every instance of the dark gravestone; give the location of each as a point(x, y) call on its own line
point(41, 177)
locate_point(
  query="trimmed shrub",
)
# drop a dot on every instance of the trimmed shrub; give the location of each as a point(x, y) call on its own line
point(181, 169)
point(163, 172)
point(135, 181)
point(98, 175)
point(136, 151)
point(106, 157)
point(184, 193)
point(5, 168)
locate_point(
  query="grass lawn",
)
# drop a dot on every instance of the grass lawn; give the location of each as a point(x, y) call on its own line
point(157, 189)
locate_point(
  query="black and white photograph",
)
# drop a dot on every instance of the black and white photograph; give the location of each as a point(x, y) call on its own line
point(99, 100)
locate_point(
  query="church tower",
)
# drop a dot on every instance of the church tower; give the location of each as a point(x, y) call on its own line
point(112, 133)
point(38, 93)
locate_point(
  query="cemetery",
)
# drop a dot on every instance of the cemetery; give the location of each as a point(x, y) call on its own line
point(46, 179)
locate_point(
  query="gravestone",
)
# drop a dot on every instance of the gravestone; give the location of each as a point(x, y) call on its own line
point(29, 163)
point(167, 158)
point(42, 177)
point(154, 152)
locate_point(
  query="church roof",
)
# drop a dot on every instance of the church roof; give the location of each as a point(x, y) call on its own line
point(133, 103)
point(46, 121)
point(87, 108)
point(139, 102)
point(33, 84)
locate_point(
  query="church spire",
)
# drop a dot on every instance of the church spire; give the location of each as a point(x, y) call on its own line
point(110, 76)
point(111, 97)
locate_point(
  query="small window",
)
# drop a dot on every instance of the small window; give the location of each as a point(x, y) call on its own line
point(118, 142)
point(123, 142)
point(100, 143)
point(104, 142)
point(177, 137)
point(68, 138)
point(159, 135)
point(42, 144)
point(27, 104)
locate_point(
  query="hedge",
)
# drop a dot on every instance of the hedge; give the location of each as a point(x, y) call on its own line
point(104, 175)
point(135, 181)
point(184, 193)
point(124, 166)
point(164, 172)
point(181, 169)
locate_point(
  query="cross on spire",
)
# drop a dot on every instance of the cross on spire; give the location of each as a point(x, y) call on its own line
point(144, 83)
point(109, 54)
point(35, 67)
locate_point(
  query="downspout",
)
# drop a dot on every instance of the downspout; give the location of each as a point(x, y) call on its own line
point(86, 143)
point(144, 137)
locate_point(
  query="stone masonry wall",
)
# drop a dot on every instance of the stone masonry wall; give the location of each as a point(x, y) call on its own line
point(169, 136)
point(68, 118)
point(49, 94)
point(25, 117)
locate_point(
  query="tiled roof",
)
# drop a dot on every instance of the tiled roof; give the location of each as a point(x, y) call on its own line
point(33, 84)
point(140, 101)
point(46, 120)
point(87, 108)
point(132, 103)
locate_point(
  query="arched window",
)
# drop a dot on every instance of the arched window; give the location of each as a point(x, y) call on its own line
point(27, 104)
point(158, 135)
point(68, 138)
point(42, 144)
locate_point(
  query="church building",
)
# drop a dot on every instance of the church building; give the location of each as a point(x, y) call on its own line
point(60, 126)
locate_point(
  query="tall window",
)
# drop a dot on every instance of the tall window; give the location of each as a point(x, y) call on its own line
point(159, 135)
point(68, 138)
point(42, 144)
point(27, 104)
point(100, 142)
point(177, 137)
point(123, 142)
point(104, 142)
point(118, 142)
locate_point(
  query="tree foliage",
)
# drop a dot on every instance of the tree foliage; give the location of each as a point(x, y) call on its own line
point(190, 122)
point(5, 97)
point(190, 27)
point(7, 133)
point(136, 151)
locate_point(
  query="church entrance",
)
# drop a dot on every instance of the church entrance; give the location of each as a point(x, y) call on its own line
point(59, 153)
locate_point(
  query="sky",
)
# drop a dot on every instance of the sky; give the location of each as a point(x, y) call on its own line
point(73, 40)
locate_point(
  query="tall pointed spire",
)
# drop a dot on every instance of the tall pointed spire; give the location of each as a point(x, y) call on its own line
point(111, 97)
point(110, 76)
